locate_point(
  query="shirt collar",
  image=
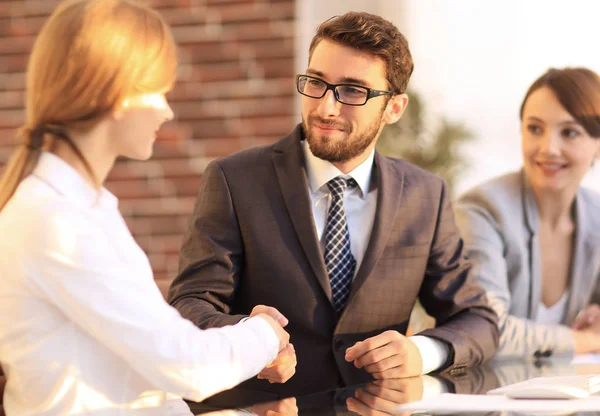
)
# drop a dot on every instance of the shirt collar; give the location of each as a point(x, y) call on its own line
point(68, 182)
point(321, 171)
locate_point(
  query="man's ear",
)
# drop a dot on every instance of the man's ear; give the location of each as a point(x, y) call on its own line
point(395, 107)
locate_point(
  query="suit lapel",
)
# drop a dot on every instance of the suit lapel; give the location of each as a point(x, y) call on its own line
point(290, 167)
point(390, 183)
point(531, 220)
point(582, 280)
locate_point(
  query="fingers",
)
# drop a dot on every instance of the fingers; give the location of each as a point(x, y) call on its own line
point(392, 361)
point(282, 368)
point(285, 407)
point(285, 354)
point(379, 353)
point(365, 403)
point(387, 355)
point(282, 335)
point(360, 408)
point(395, 395)
point(278, 374)
point(272, 312)
point(363, 347)
point(587, 317)
point(383, 397)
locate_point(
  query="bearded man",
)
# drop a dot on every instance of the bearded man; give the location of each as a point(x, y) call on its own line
point(322, 231)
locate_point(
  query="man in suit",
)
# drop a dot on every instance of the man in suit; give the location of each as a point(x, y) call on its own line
point(340, 240)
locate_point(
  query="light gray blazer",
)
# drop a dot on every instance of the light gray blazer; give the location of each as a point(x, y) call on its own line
point(499, 221)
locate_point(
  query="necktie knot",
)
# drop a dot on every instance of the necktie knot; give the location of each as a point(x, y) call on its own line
point(338, 185)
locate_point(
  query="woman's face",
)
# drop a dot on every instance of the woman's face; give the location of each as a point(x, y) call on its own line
point(137, 123)
point(557, 151)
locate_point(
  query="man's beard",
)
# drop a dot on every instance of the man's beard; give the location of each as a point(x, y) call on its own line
point(340, 151)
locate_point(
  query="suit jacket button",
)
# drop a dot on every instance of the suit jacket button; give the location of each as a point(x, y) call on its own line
point(337, 344)
point(537, 354)
point(547, 353)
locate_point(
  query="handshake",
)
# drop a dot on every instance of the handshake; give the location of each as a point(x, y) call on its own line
point(283, 367)
point(388, 355)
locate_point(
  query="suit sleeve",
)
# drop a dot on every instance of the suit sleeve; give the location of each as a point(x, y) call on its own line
point(450, 294)
point(211, 256)
point(485, 247)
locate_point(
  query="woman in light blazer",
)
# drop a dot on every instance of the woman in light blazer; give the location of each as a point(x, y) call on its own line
point(534, 235)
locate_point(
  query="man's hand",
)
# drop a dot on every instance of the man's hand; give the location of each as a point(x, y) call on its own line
point(282, 336)
point(382, 397)
point(285, 407)
point(282, 368)
point(387, 355)
point(272, 312)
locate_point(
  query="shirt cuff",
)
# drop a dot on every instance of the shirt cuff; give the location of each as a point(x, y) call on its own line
point(434, 353)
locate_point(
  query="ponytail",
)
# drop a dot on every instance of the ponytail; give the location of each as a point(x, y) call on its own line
point(26, 156)
point(21, 163)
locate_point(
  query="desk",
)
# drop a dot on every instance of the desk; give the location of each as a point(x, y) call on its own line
point(381, 398)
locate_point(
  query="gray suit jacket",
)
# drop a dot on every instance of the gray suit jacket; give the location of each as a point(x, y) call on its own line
point(252, 241)
point(499, 221)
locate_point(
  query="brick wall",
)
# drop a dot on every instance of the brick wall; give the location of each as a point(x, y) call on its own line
point(235, 90)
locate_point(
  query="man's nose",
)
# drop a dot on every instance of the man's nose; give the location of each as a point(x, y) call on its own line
point(329, 106)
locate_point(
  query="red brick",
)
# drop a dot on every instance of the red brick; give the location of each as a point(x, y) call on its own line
point(14, 63)
point(231, 13)
point(161, 225)
point(12, 118)
point(33, 7)
point(259, 30)
point(21, 26)
point(235, 90)
point(12, 82)
point(168, 244)
point(12, 99)
point(16, 45)
point(218, 71)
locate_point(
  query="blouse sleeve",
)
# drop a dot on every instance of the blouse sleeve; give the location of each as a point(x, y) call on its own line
point(75, 265)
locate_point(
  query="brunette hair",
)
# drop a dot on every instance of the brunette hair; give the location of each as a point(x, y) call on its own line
point(577, 90)
point(372, 34)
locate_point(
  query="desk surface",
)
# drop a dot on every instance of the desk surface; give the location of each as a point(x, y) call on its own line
point(383, 397)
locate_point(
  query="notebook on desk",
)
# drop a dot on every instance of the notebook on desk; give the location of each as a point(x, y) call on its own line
point(560, 387)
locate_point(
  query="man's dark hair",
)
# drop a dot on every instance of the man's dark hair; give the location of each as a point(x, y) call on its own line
point(372, 34)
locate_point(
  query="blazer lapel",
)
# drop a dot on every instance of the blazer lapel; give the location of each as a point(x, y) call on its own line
point(290, 168)
point(531, 219)
point(582, 278)
point(390, 184)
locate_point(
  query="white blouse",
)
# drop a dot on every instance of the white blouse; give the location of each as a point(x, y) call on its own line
point(554, 314)
point(84, 328)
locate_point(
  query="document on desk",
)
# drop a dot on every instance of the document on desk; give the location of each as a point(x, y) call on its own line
point(462, 403)
point(586, 359)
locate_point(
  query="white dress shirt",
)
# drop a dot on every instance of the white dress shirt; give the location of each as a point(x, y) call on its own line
point(84, 328)
point(360, 204)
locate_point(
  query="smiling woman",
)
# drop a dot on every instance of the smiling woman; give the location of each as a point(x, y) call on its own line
point(534, 235)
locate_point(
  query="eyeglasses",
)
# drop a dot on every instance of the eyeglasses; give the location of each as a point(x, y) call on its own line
point(348, 94)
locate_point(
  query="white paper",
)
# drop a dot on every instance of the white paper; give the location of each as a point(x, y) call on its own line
point(586, 359)
point(452, 403)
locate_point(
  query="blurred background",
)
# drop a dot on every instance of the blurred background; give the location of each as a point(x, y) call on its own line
point(474, 61)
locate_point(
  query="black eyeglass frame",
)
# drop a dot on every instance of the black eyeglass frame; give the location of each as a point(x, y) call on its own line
point(371, 93)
